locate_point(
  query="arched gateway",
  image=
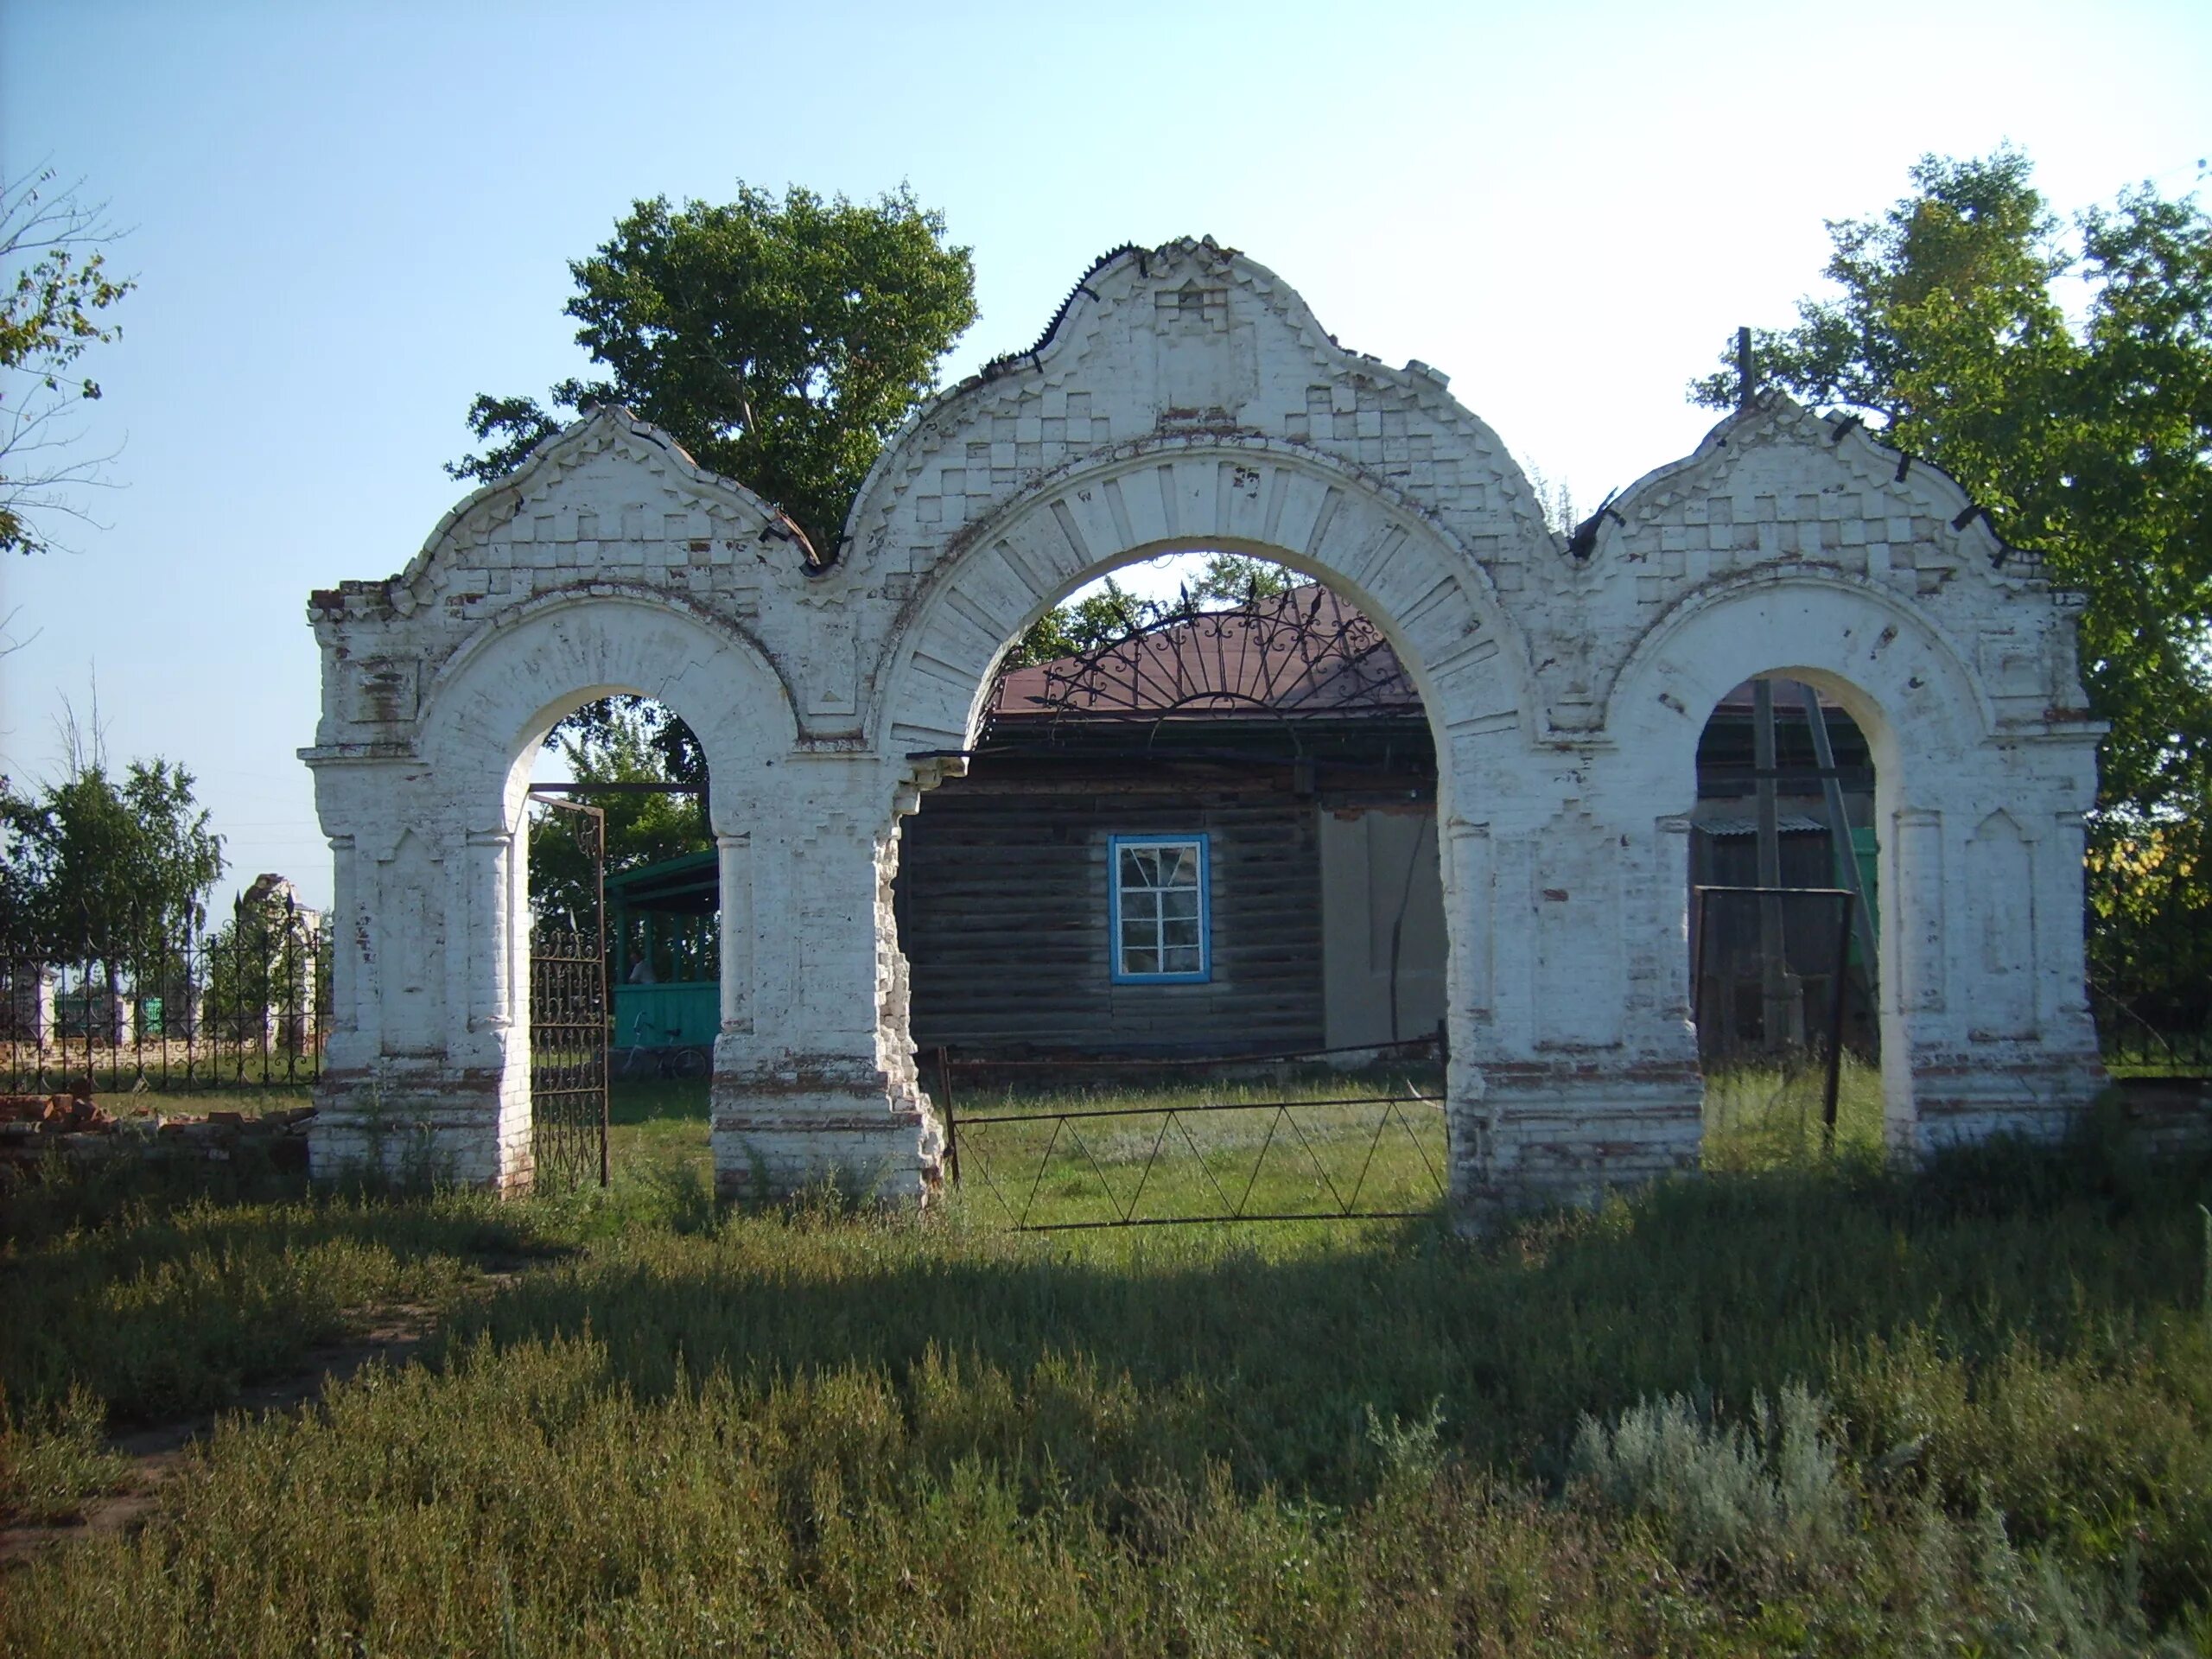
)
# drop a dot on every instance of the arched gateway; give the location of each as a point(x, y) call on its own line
point(1185, 398)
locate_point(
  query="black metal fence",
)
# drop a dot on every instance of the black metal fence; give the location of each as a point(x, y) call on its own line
point(2150, 948)
point(1775, 983)
point(2154, 1018)
point(1115, 1141)
point(2136, 1043)
point(245, 1006)
point(569, 1008)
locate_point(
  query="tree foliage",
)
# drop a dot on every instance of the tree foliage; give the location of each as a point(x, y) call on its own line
point(57, 293)
point(105, 871)
point(1109, 612)
point(623, 746)
point(1229, 579)
point(780, 342)
point(2090, 443)
point(652, 733)
point(2150, 948)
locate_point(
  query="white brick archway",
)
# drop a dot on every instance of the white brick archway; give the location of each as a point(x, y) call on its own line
point(1280, 502)
point(1185, 397)
point(1373, 545)
point(438, 1031)
point(1980, 831)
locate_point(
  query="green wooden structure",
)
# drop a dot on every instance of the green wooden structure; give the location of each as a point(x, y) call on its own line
point(1863, 849)
point(664, 946)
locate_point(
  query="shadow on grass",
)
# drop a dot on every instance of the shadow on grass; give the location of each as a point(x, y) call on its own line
point(2014, 1337)
point(1230, 1344)
point(161, 1290)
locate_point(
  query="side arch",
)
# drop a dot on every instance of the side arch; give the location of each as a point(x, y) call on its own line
point(1982, 1020)
point(1893, 669)
point(498, 695)
point(432, 994)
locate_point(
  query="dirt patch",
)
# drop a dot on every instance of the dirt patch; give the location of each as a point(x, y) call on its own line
point(158, 1450)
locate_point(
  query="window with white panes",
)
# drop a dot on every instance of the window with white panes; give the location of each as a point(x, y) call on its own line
point(1160, 908)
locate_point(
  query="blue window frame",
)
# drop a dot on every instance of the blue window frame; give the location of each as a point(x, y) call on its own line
point(1160, 910)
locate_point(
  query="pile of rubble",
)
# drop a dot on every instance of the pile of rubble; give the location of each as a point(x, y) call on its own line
point(2167, 1116)
point(32, 1127)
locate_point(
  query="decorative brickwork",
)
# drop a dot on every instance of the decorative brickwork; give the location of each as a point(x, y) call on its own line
point(1185, 398)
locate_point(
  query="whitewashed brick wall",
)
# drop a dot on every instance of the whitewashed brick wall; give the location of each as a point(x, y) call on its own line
point(1186, 398)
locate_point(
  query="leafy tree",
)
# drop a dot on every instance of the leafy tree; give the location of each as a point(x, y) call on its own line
point(2089, 443)
point(669, 746)
point(107, 872)
point(2134, 531)
point(1109, 613)
point(782, 343)
point(2150, 948)
point(641, 828)
point(1229, 579)
point(57, 292)
point(1112, 612)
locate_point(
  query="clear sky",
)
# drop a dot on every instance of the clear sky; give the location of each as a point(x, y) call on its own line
point(348, 220)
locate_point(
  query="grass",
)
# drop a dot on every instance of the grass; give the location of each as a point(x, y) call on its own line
point(57, 1456)
point(161, 1297)
point(658, 1119)
point(253, 1099)
point(1310, 1142)
point(1773, 1117)
point(1812, 1406)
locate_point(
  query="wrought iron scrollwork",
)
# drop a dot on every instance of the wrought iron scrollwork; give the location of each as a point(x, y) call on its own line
point(569, 1015)
point(1305, 654)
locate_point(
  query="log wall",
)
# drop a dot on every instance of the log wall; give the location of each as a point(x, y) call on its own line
point(1003, 912)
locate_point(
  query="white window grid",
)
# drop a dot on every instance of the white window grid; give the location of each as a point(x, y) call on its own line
point(1160, 888)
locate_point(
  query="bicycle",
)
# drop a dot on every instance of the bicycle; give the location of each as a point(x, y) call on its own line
point(648, 1058)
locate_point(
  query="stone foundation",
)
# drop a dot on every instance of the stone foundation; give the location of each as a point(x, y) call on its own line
point(864, 1146)
point(1569, 1135)
point(2167, 1116)
point(450, 1127)
point(2036, 1097)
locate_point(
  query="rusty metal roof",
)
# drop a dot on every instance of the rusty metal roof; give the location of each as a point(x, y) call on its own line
point(1304, 654)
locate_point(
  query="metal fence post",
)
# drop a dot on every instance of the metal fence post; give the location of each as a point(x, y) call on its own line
point(944, 1104)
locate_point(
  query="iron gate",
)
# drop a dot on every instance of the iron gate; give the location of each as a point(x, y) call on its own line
point(1771, 977)
point(569, 1016)
point(1327, 1156)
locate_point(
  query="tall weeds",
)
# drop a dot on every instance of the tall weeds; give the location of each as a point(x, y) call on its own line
point(1834, 1409)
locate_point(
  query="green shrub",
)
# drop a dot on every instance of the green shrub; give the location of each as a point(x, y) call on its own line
point(53, 1458)
point(1762, 1498)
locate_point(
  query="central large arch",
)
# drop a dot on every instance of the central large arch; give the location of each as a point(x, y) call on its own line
point(1274, 500)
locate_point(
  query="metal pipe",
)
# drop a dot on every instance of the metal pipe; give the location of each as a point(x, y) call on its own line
point(1845, 856)
point(1778, 1010)
point(1835, 1025)
point(945, 1105)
